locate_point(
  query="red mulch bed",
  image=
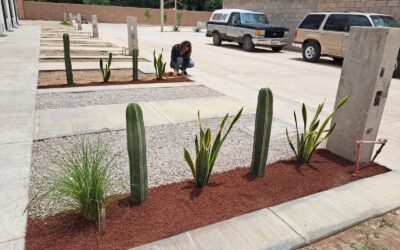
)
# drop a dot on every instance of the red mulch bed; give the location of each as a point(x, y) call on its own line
point(178, 207)
point(146, 81)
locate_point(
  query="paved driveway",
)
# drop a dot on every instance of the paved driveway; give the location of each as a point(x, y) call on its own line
point(239, 74)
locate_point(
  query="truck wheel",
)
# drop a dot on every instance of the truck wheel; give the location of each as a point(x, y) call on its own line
point(277, 49)
point(248, 44)
point(217, 39)
point(311, 51)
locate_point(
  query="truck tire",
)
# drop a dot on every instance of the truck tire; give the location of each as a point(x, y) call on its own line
point(248, 44)
point(311, 51)
point(396, 73)
point(217, 39)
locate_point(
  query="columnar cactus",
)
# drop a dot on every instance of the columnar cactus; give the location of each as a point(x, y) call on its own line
point(67, 59)
point(262, 132)
point(135, 56)
point(137, 152)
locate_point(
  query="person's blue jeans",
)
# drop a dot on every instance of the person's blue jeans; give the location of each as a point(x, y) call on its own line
point(179, 62)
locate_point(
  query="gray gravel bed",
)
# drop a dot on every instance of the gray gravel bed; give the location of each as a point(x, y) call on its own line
point(164, 152)
point(82, 99)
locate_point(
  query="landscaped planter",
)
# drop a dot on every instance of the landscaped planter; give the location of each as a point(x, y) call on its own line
point(57, 79)
point(175, 208)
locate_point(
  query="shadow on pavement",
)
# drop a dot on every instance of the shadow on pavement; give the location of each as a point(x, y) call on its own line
point(323, 61)
point(236, 47)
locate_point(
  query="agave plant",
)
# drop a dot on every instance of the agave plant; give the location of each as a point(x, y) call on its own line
point(196, 29)
point(207, 153)
point(176, 29)
point(310, 138)
point(159, 65)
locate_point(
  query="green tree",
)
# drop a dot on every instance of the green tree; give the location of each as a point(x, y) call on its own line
point(97, 2)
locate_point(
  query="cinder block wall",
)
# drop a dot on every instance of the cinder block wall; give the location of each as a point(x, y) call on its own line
point(289, 13)
point(107, 14)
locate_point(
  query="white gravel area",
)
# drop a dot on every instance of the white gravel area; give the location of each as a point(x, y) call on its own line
point(164, 155)
point(82, 99)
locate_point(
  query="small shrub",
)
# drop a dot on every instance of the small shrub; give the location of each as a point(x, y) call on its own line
point(83, 179)
point(197, 29)
point(147, 15)
point(159, 65)
point(66, 23)
point(207, 153)
point(309, 140)
point(176, 29)
point(106, 72)
point(165, 17)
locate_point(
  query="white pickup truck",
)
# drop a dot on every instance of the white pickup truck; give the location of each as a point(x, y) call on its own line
point(247, 28)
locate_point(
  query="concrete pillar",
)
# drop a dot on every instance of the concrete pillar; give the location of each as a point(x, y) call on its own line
point(132, 34)
point(366, 75)
point(12, 13)
point(65, 17)
point(70, 16)
point(95, 26)
point(162, 14)
point(7, 15)
point(79, 21)
point(2, 21)
point(16, 12)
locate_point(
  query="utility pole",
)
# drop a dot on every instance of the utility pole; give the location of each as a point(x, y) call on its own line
point(162, 14)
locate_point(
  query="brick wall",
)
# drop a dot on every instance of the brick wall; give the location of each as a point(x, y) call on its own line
point(289, 13)
point(107, 14)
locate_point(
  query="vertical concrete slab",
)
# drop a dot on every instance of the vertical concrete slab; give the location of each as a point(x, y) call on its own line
point(95, 27)
point(2, 21)
point(70, 16)
point(13, 14)
point(366, 75)
point(7, 15)
point(79, 21)
point(132, 34)
point(65, 17)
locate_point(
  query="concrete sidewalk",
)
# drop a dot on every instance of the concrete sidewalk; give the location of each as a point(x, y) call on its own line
point(19, 72)
point(295, 223)
point(51, 123)
point(145, 67)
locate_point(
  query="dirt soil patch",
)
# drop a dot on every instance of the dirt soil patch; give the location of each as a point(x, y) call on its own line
point(179, 207)
point(73, 53)
point(127, 59)
point(57, 79)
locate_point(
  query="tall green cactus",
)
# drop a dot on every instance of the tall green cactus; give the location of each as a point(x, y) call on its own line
point(135, 56)
point(107, 71)
point(137, 152)
point(262, 132)
point(67, 59)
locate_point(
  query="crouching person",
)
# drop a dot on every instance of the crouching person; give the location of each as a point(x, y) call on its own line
point(180, 57)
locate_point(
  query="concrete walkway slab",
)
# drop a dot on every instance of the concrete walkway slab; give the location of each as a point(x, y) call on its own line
point(258, 230)
point(18, 71)
point(323, 214)
point(101, 49)
point(59, 66)
point(71, 121)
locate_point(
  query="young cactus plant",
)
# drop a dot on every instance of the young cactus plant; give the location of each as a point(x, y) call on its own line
point(67, 59)
point(137, 153)
point(207, 153)
point(159, 65)
point(262, 132)
point(106, 72)
point(135, 56)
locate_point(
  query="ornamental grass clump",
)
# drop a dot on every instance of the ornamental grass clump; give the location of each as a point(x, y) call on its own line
point(82, 179)
point(308, 141)
point(207, 152)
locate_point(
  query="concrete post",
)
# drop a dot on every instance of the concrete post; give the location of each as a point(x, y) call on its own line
point(175, 17)
point(162, 14)
point(2, 21)
point(132, 34)
point(16, 12)
point(95, 26)
point(65, 17)
point(12, 13)
point(7, 15)
point(70, 16)
point(366, 75)
point(79, 21)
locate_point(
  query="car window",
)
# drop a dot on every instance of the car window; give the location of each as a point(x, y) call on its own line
point(336, 22)
point(384, 21)
point(235, 18)
point(359, 20)
point(253, 18)
point(312, 22)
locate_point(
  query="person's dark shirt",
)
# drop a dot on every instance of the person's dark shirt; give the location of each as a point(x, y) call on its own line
point(175, 53)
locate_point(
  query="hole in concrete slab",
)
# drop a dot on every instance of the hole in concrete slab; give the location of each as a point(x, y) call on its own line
point(378, 97)
point(382, 72)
